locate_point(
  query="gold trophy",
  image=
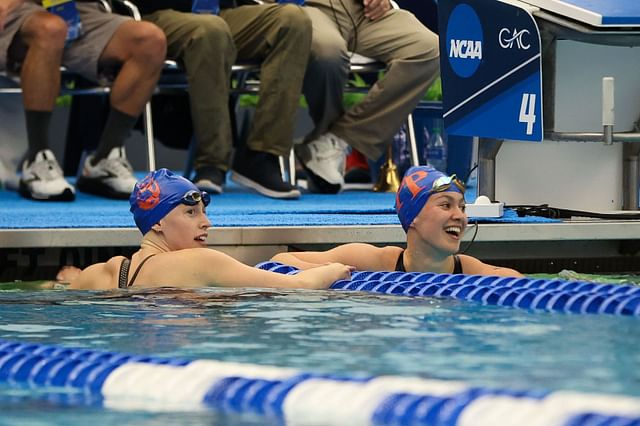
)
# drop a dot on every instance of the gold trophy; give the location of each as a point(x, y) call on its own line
point(388, 179)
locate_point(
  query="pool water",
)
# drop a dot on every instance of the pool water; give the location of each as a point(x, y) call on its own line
point(355, 334)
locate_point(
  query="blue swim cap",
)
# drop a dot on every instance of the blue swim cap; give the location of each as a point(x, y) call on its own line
point(156, 195)
point(418, 184)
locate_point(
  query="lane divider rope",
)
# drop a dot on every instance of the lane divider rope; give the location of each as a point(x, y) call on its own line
point(124, 382)
point(578, 297)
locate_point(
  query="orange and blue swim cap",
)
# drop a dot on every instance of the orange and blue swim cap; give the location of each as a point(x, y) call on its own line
point(158, 193)
point(418, 184)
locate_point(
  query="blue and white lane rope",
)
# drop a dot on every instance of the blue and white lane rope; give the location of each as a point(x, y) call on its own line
point(125, 382)
point(578, 297)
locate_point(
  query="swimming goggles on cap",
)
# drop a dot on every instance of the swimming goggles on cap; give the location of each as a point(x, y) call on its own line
point(193, 197)
point(443, 183)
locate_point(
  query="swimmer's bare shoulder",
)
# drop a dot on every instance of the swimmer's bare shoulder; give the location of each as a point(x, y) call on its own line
point(101, 276)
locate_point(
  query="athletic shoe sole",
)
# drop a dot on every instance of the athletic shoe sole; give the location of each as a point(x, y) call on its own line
point(358, 187)
point(97, 187)
point(245, 181)
point(66, 195)
point(209, 186)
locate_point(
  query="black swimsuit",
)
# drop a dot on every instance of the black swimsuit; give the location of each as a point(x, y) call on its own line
point(124, 272)
point(457, 265)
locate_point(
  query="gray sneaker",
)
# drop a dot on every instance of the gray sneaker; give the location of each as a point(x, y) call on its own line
point(324, 161)
point(110, 177)
point(42, 179)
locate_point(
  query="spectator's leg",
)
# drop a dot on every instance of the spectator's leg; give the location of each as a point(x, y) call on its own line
point(411, 52)
point(136, 50)
point(279, 37)
point(39, 45)
point(44, 36)
point(322, 155)
point(140, 48)
point(327, 72)
point(204, 45)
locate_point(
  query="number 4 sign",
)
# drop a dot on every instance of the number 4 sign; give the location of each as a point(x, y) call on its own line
point(528, 111)
point(491, 69)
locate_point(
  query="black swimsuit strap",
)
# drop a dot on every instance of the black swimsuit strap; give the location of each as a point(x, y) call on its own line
point(400, 263)
point(135, 273)
point(457, 264)
point(124, 273)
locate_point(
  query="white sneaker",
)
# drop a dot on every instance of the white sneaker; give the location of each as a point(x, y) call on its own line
point(43, 179)
point(111, 177)
point(324, 161)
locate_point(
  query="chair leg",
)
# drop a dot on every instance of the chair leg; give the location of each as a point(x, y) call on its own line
point(288, 168)
point(292, 168)
point(148, 130)
point(191, 155)
point(415, 160)
point(283, 169)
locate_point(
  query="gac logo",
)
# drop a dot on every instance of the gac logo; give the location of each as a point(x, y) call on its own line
point(465, 49)
point(506, 38)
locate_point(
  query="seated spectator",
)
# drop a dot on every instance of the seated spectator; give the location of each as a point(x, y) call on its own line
point(170, 212)
point(430, 206)
point(35, 42)
point(278, 37)
point(373, 29)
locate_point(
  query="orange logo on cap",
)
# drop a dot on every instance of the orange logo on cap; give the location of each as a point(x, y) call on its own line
point(148, 195)
point(409, 182)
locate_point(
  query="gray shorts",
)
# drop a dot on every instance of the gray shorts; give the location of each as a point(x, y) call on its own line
point(81, 55)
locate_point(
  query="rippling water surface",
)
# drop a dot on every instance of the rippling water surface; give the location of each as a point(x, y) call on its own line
point(355, 334)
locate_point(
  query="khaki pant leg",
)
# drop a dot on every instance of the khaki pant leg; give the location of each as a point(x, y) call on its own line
point(279, 36)
point(327, 71)
point(411, 53)
point(204, 44)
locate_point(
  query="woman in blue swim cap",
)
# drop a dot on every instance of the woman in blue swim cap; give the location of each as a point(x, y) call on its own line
point(431, 209)
point(170, 212)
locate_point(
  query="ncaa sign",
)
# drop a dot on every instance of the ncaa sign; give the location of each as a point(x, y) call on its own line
point(464, 40)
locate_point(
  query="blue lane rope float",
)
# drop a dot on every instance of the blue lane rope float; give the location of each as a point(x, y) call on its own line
point(128, 382)
point(579, 297)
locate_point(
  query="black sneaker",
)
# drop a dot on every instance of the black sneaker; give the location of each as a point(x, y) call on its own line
point(210, 179)
point(358, 178)
point(260, 171)
point(357, 175)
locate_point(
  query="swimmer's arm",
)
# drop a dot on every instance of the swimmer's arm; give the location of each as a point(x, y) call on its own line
point(502, 271)
point(211, 267)
point(364, 257)
point(473, 266)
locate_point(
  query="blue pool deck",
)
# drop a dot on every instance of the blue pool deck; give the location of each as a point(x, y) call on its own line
point(253, 222)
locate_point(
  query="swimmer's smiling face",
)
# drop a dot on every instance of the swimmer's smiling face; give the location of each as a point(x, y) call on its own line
point(442, 221)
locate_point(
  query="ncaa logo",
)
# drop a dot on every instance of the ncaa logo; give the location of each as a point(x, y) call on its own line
point(464, 40)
